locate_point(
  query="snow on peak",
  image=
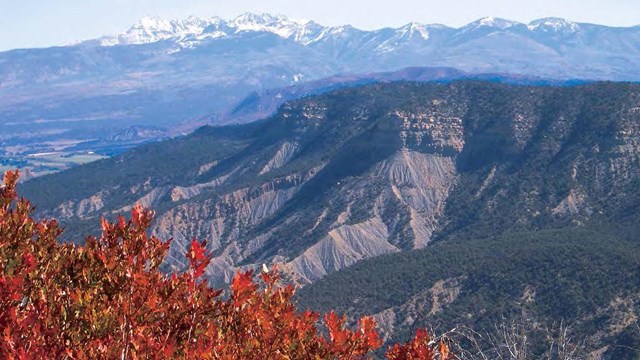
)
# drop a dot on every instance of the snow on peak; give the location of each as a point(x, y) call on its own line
point(409, 33)
point(256, 20)
point(153, 28)
point(276, 24)
point(553, 24)
point(152, 23)
point(492, 22)
point(415, 29)
point(194, 30)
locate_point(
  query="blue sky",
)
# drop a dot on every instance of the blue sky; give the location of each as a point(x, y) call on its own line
point(38, 23)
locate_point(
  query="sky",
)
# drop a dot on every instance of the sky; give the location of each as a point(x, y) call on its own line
point(41, 23)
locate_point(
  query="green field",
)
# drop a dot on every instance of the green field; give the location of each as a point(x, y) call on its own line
point(47, 163)
point(64, 159)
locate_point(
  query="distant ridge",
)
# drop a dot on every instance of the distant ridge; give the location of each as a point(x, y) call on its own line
point(261, 104)
point(193, 29)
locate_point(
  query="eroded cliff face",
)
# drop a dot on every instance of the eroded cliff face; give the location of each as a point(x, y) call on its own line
point(224, 221)
point(394, 203)
point(334, 179)
point(286, 152)
point(412, 190)
point(400, 214)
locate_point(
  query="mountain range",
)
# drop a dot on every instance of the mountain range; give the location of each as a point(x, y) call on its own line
point(485, 41)
point(179, 74)
point(551, 47)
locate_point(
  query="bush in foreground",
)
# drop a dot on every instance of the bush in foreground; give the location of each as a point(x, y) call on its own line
point(109, 300)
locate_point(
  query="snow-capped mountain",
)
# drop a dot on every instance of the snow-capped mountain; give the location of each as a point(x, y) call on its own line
point(549, 47)
point(153, 29)
point(554, 24)
point(259, 48)
point(491, 23)
point(194, 30)
point(162, 72)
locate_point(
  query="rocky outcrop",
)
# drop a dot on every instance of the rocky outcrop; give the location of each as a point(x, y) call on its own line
point(416, 185)
point(149, 201)
point(82, 209)
point(437, 127)
point(282, 156)
point(179, 193)
point(223, 219)
point(421, 182)
point(342, 247)
point(573, 204)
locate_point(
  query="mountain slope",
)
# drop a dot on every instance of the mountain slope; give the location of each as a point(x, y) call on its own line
point(584, 278)
point(383, 168)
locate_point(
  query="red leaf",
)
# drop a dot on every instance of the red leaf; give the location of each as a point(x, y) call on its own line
point(198, 259)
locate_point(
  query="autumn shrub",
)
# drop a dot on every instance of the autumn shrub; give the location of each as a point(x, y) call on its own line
point(109, 300)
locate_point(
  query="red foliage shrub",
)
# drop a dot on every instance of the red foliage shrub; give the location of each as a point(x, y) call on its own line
point(108, 300)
